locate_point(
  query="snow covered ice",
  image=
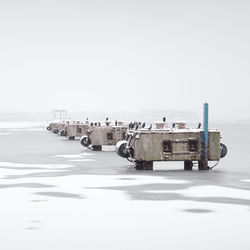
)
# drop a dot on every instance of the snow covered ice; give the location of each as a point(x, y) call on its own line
point(57, 195)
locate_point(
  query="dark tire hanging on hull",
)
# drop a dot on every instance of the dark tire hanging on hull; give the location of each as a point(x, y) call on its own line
point(85, 141)
point(121, 149)
point(62, 133)
point(55, 131)
point(223, 150)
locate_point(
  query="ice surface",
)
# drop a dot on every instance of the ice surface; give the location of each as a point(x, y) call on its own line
point(74, 155)
point(57, 195)
point(4, 133)
point(210, 191)
point(22, 124)
point(246, 180)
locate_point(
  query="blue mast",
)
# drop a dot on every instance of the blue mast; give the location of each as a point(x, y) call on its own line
point(205, 128)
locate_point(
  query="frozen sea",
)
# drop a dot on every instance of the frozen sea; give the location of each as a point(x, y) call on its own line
point(57, 195)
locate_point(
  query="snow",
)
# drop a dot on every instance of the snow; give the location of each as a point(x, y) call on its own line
point(57, 195)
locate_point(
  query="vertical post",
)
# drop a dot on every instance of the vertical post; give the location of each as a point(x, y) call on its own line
point(205, 128)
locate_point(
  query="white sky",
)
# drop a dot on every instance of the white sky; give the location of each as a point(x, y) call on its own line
point(114, 55)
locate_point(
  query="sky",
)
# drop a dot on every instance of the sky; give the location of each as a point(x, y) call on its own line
point(133, 55)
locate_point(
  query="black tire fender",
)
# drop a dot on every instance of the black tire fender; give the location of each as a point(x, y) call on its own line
point(85, 141)
point(121, 149)
point(62, 133)
point(223, 150)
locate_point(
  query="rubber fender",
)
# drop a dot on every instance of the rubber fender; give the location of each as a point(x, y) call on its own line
point(55, 131)
point(121, 150)
point(85, 141)
point(223, 150)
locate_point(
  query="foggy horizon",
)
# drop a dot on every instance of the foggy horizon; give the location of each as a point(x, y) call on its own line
point(132, 56)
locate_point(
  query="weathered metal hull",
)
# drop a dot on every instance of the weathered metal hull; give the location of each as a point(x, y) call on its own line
point(61, 127)
point(53, 125)
point(175, 145)
point(76, 130)
point(108, 135)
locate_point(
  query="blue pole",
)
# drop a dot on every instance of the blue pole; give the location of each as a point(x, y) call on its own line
point(205, 128)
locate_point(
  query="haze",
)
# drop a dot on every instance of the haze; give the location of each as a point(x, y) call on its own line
point(125, 55)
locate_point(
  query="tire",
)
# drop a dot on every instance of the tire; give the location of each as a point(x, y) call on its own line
point(55, 131)
point(62, 133)
point(85, 141)
point(223, 150)
point(121, 150)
